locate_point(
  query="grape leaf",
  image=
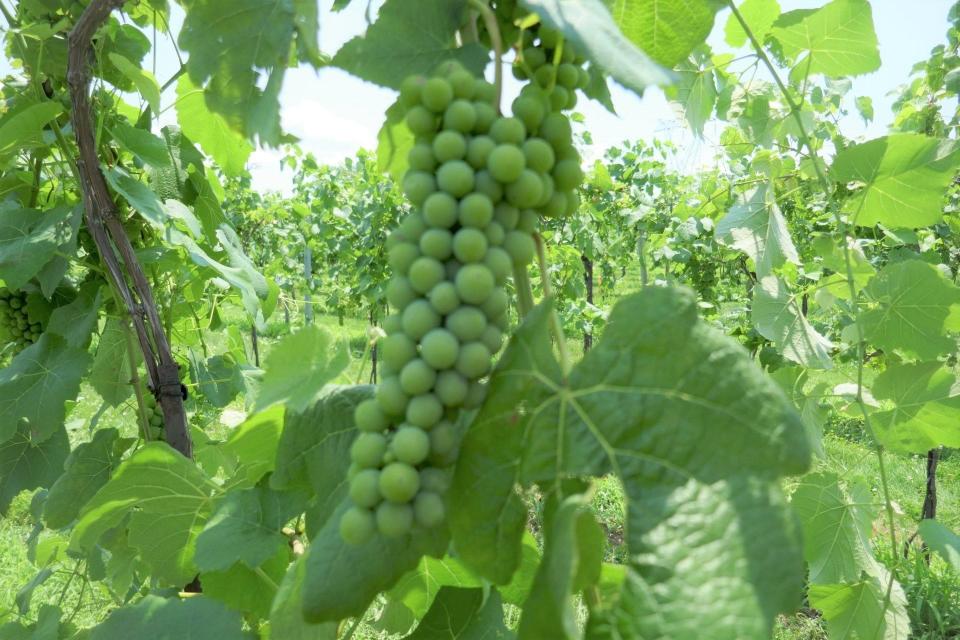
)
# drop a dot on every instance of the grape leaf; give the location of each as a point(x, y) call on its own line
point(142, 79)
point(696, 433)
point(29, 240)
point(299, 366)
point(244, 589)
point(29, 460)
point(778, 317)
point(394, 141)
point(759, 16)
point(110, 373)
point(25, 593)
point(254, 442)
point(245, 527)
point(21, 128)
point(911, 310)
point(838, 39)
point(755, 226)
point(696, 91)
point(149, 148)
point(168, 500)
point(667, 30)
point(210, 130)
point(76, 321)
point(904, 178)
point(464, 614)
point(589, 25)
point(924, 407)
point(37, 383)
point(220, 378)
point(172, 619)
point(943, 541)
point(855, 609)
point(410, 38)
point(86, 470)
point(286, 617)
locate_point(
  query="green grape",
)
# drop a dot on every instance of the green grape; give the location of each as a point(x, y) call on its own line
point(473, 361)
point(436, 94)
point(476, 210)
point(567, 175)
point(417, 185)
point(156, 420)
point(534, 57)
point(463, 83)
point(556, 206)
point(508, 131)
point(573, 202)
point(559, 98)
point(507, 215)
point(478, 150)
point(549, 38)
point(15, 303)
point(418, 318)
point(440, 210)
point(428, 510)
point(545, 76)
point(526, 191)
point(499, 263)
point(460, 116)
point(487, 186)
point(506, 163)
point(357, 525)
point(486, 116)
point(401, 256)
point(434, 480)
point(538, 154)
point(400, 293)
point(469, 245)
point(369, 417)
point(436, 243)
point(394, 520)
point(391, 324)
point(411, 445)
point(368, 449)
point(444, 298)
point(528, 221)
point(420, 121)
point(520, 247)
point(425, 273)
point(455, 177)
point(443, 441)
point(365, 488)
point(474, 283)
point(485, 92)
point(495, 234)
point(449, 145)
point(568, 75)
point(571, 100)
point(399, 482)
point(397, 350)
point(417, 377)
point(450, 388)
point(420, 157)
point(410, 90)
point(391, 397)
point(546, 182)
point(556, 130)
point(497, 304)
point(439, 350)
point(519, 72)
point(493, 338)
point(529, 111)
point(424, 411)
point(394, 238)
point(467, 323)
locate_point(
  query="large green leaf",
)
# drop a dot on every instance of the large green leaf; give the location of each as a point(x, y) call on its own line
point(904, 178)
point(299, 366)
point(464, 614)
point(248, 590)
point(254, 442)
point(755, 226)
point(837, 39)
point(695, 90)
point(111, 371)
point(37, 383)
point(943, 541)
point(172, 619)
point(86, 470)
point(168, 501)
point(410, 38)
point(144, 145)
point(143, 80)
point(855, 610)
point(778, 316)
point(21, 128)
point(759, 16)
point(29, 239)
point(910, 310)
point(589, 25)
point(394, 141)
point(210, 130)
point(286, 616)
point(28, 461)
point(696, 433)
point(668, 30)
point(921, 407)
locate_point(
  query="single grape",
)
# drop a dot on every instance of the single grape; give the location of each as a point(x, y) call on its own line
point(449, 145)
point(476, 210)
point(485, 92)
point(399, 292)
point(440, 210)
point(397, 350)
point(487, 186)
point(368, 416)
point(529, 111)
point(555, 129)
point(428, 510)
point(534, 57)
point(559, 98)
point(469, 245)
point(499, 263)
point(425, 273)
point(568, 75)
point(418, 318)
point(526, 191)
point(486, 116)
point(421, 158)
point(583, 79)
point(467, 323)
point(411, 445)
point(455, 177)
point(567, 175)
point(520, 247)
point(460, 116)
point(497, 304)
point(436, 94)
point(545, 76)
point(401, 256)
point(495, 234)
point(450, 388)
point(399, 482)
point(573, 202)
point(478, 150)
point(394, 520)
point(424, 411)
point(493, 338)
point(507, 215)
point(368, 449)
point(463, 83)
point(357, 525)
point(444, 298)
point(391, 324)
point(417, 185)
point(528, 221)
point(439, 350)
point(417, 377)
point(437, 243)
point(420, 121)
point(571, 100)
point(365, 488)
point(473, 361)
point(546, 181)
point(390, 396)
point(474, 283)
point(508, 131)
point(506, 163)
point(443, 440)
point(538, 154)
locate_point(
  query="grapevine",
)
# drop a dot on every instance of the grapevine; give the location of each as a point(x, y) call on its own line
point(20, 329)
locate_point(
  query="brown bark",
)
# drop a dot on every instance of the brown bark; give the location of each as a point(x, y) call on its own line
point(109, 235)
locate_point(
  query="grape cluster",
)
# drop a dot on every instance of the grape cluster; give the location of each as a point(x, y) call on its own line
point(154, 417)
point(15, 319)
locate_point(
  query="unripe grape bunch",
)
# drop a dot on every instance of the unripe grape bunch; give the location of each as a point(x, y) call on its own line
point(154, 415)
point(479, 182)
point(15, 320)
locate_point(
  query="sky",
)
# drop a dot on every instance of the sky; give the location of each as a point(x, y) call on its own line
point(334, 113)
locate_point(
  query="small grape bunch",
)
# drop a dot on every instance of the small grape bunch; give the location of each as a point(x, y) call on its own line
point(154, 415)
point(15, 320)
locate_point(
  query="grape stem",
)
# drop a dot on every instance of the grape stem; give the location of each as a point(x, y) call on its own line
point(521, 279)
point(555, 324)
point(490, 21)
